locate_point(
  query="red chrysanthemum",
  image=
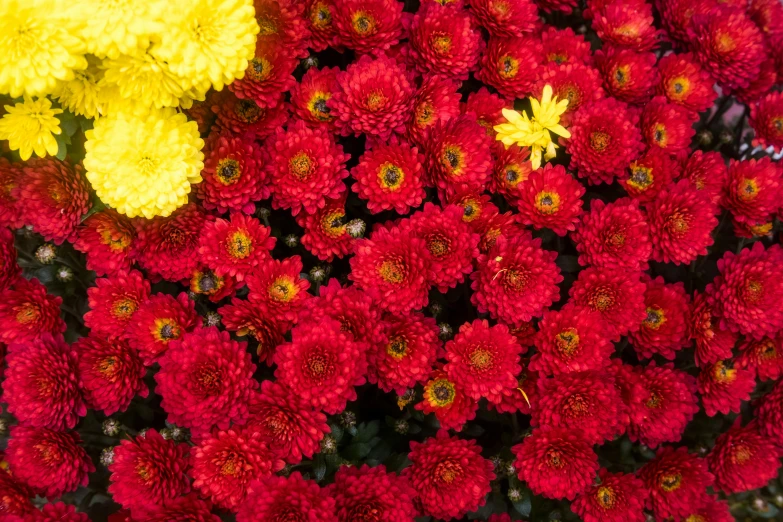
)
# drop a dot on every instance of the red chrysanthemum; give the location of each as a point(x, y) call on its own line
point(168, 246)
point(15, 498)
point(511, 168)
point(49, 462)
point(111, 373)
point(450, 475)
point(684, 82)
point(754, 190)
point(268, 75)
point(649, 174)
point(113, 301)
point(160, 320)
point(236, 247)
point(618, 497)
point(766, 79)
point(677, 18)
point(578, 83)
point(766, 119)
point(54, 195)
point(628, 75)
point(368, 26)
point(551, 198)
point(282, 23)
point(292, 427)
point(507, 62)
point(325, 235)
point(27, 311)
point(437, 99)
point(516, 280)
point(564, 46)
point(279, 287)
point(763, 357)
point(605, 138)
point(226, 462)
point(58, 512)
point(444, 42)
point(287, 498)
point(374, 96)
point(487, 109)
point(322, 364)
point(204, 281)
point(667, 126)
point(187, 508)
point(616, 294)
point(665, 329)
point(743, 459)
point(707, 171)
point(556, 463)
point(571, 340)
point(522, 397)
point(723, 388)
point(234, 175)
point(627, 25)
point(307, 167)
point(452, 408)
point(484, 217)
point(712, 510)
point(149, 470)
point(769, 414)
point(245, 117)
point(107, 240)
point(458, 155)
point(506, 17)
point(320, 18)
point(365, 494)
point(713, 343)
point(390, 176)
point(310, 96)
point(677, 482)
point(10, 208)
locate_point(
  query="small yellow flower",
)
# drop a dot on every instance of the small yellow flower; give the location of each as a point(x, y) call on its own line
point(81, 95)
point(535, 132)
point(28, 127)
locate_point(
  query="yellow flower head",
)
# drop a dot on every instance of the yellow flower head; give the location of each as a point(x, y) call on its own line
point(143, 164)
point(81, 95)
point(29, 127)
point(535, 132)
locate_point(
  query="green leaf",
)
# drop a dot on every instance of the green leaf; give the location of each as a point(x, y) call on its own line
point(62, 145)
point(319, 467)
point(68, 123)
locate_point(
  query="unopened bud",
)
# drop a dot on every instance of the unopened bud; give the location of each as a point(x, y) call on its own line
point(328, 445)
point(401, 426)
point(45, 253)
point(107, 456)
point(356, 228)
point(111, 427)
point(445, 331)
point(212, 319)
point(291, 241)
point(64, 274)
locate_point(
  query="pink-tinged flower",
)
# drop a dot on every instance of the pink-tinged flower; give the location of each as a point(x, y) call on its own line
point(292, 498)
point(522, 397)
point(10, 208)
point(627, 25)
point(113, 301)
point(707, 171)
point(368, 26)
point(282, 23)
point(677, 482)
point(107, 239)
point(187, 508)
point(111, 373)
point(49, 462)
point(219, 377)
point(556, 463)
point(571, 340)
point(27, 311)
point(307, 168)
point(268, 75)
point(226, 462)
point(723, 388)
point(236, 247)
point(458, 155)
point(322, 364)
point(245, 117)
point(677, 18)
point(684, 82)
point(390, 176)
point(325, 235)
point(149, 470)
point(507, 62)
point(618, 497)
point(450, 475)
point(629, 76)
point(769, 413)
point(15, 500)
point(506, 17)
point(743, 459)
point(310, 97)
point(649, 174)
point(665, 329)
point(551, 198)
point(444, 42)
point(617, 295)
point(58, 512)
point(292, 428)
point(516, 280)
point(279, 287)
point(442, 396)
point(320, 20)
point(365, 494)
point(667, 126)
point(766, 119)
point(713, 510)
point(754, 190)
point(713, 343)
point(763, 357)
point(578, 83)
point(437, 99)
point(9, 268)
point(160, 320)
point(511, 168)
point(564, 46)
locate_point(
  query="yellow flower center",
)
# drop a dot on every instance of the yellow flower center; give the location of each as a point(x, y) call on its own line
point(363, 23)
point(724, 43)
point(723, 375)
point(741, 453)
point(567, 341)
point(424, 113)
point(318, 108)
point(547, 202)
point(392, 271)
point(655, 317)
point(283, 289)
point(397, 347)
point(748, 189)
point(516, 279)
point(438, 245)
point(654, 401)
point(602, 299)
point(670, 482)
point(641, 177)
point(27, 313)
point(555, 458)
point(440, 42)
point(660, 135)
point(332, 224)
point(319, 366)
point(621, 75)
point(754, 291)
point(260, 69)
point(321, 15)
point(678, 88)
point(123, 308)
point(302, 165)
point(390, 176)
point(508, 67)
point(267, 26)
point(116, 240)
point(599, 140)
point(165, 329)
point(375, 101)
point(448, 471)
point(452, 159)
point(512, 175)
point(228, 171)
point(481, 359)
point(248, 111)
point(678, 224)
point(440, 392)
point(239, 244)
point(605, 497)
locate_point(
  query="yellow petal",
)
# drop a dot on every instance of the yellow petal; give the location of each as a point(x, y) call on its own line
point(511, 115)
point(535, 157)
point(560, 131)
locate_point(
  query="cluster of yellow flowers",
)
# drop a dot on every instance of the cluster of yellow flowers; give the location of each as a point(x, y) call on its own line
point(130, 64)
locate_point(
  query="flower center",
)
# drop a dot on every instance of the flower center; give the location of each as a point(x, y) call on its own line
point(671, 482)
point(397, 347)
point(123, 308)
point(206, 282)
point(678, 224)
point(441, 392)
point(319, 366)
point(641, 177)
point(481, 360)
point(723, 375)
point(605, 497)
point(228, 171)
point(679, 88)
point(754, 291)
point(318, 107)
point(363, 23)
point(741, 453)
point(260, 69)
point(621, 75)
point(448, 471)
point(438, 244)
point(615, 238)
point(516, 279)
point(547, 202)
point(660, 135)
point(27, 313)
point(655, 317)
point(748, 189)
point(283, 289)
point(231, 463)
point(375, 101)
point(654, 400)
point(392, 271)
point(512, 175)
point(239, 244)
point(332, 224)
point(508, 67)
point(576, 405)
point(166, 329)
point(567, 341)
point(390, 176)
point(440, 42)
point(724, 43)
point(248, 111)
point(558, 58)
point(599, 141)
point(602, 299)
point(108, 367)
point(424, 113)
point(367, 512)
point(555, 458)
point(208, 379)
point(452, 160)
point(267, 25)
point(302, 165)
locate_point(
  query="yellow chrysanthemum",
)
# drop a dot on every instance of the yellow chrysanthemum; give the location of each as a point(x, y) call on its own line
point(535, 132)
point(143, 164)
point(81, 95)
point(29, 127)
point(36, 48)
point(209, 42)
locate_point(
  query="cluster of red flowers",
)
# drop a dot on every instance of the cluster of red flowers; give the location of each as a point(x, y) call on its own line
point(458, 214)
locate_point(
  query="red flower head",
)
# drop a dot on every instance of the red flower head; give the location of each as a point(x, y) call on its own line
point(236, 247)
point(368, 494)
point(571, 340)
point(234, 175)
point(507, 62)
point(766, 79)
point(310, 97)
point(580, 84)
point(723, 388)
point(160, 320)
point(322, 365)
point(406, 355)
point(770, 414)
point(113, 301)
point(49, 462)
point(437, 99)
point(307, 168)
point(41, 386)
point(10, 208)
point(484, 217)
point(487, 108)
point(747, 293)
point(627, 25)
point(390, 177)
point(447, 401)
point(754, 190)
point(520, 398)
point(226, 462)
point(444, 42)
point(564, 6)
point(268, 75)
point(605, 138)
point(617, 498)
point(149, 470)
point(325, 234)
point(707, 172)
point(277, 285)
point(713, 510)
point(649, 174)
point(187, 508)
point(203, 281)
point(617, 295)
point(320, 18)
point(374, 96)
point(111, 373)
point(613, 235)
point(107, 240)
point(665, 329)
point(667, 126)
point(628, 76)
point(768, 15)
point(15, 500)
point(458, 155)
point(764, 358)
point(556, 463)
point(483, 361)
point(684, 82)
point(563, 46)
point(54, 196)
point(27, 312)
point(393, 267)
point(506, 17)
point(551, 198)
point(368, 26)
point(282, 23)
point(58, 512)
point(511, 169)
point(450, 475)
point(766, 119)
point(677, 482)
point(713, 343)
point(682, 219)
point(743, 459)
point(729, 45)
point(287, 498)
point(9, 268)
point(168, 246)
point(677, 18)
point(291, 426)
point(245, 117)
